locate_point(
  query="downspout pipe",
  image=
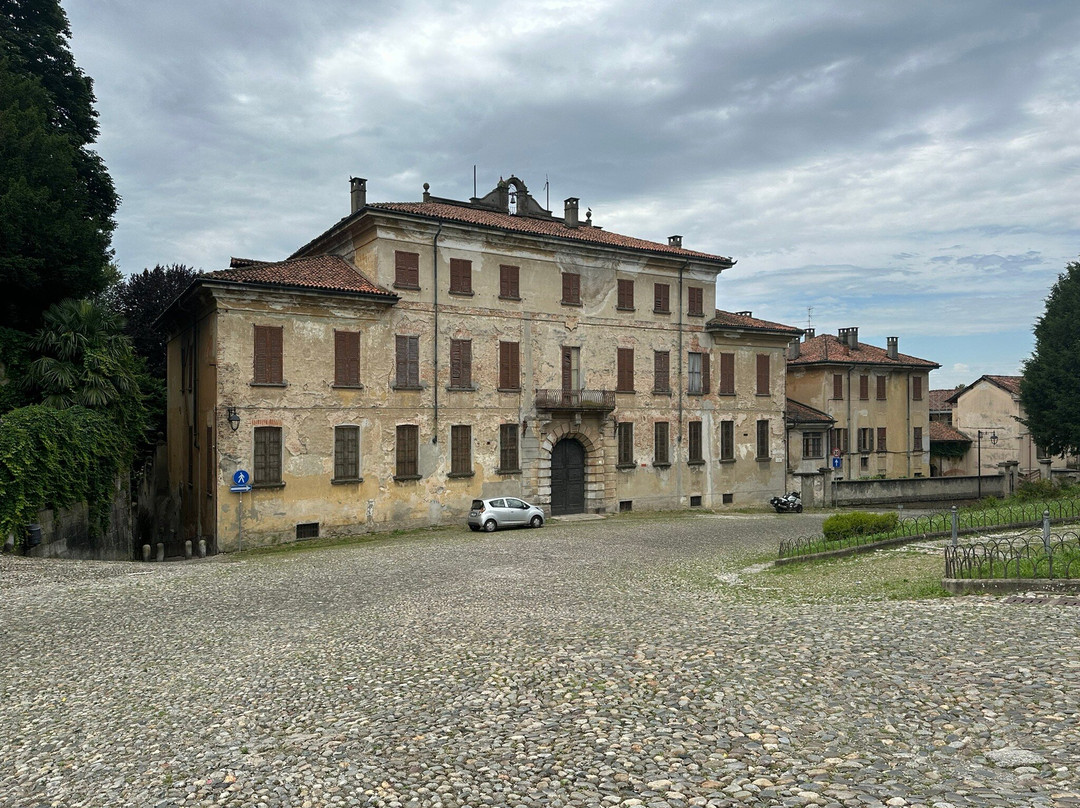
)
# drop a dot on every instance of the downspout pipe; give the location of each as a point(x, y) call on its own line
point(679, 382)
point(435, 341)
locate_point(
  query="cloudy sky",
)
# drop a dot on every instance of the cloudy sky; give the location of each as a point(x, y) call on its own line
point(910, 168)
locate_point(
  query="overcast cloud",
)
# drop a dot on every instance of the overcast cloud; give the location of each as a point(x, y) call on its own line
point(911, 168)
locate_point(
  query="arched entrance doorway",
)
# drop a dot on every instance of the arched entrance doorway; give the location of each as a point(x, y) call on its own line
point(567, 477)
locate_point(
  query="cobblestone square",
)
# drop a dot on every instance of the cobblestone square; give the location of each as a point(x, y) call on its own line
point(609, 662)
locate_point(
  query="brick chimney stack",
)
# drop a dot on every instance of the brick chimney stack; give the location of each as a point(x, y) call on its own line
point(793, 349)
point(570, 211)
point(809, 335)
point(357, 192)
point(674, 241)
point(850, 337)
point(892, 350)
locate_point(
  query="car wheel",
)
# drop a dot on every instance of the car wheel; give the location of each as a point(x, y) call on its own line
point(490, 526)
point(536, 521)
point(798, 509)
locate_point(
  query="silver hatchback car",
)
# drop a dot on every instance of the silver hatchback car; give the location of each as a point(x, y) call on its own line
point(491, 514)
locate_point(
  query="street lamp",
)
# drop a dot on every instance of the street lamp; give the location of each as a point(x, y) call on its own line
point(993, 441)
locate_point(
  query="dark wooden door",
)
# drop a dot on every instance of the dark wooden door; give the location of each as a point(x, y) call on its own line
point(567, 477)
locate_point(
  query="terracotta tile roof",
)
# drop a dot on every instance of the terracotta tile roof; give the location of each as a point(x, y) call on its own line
point(829, 348)
point(798, 413)
point(939, 400)
point(553, 227)
point(1010, 384)
point(330, 272)
point(742, 319)
point(943, 432)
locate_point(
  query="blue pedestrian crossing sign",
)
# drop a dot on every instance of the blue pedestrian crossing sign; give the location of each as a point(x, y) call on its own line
point(241, 477)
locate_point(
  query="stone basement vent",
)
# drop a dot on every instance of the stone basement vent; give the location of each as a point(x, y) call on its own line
point(307, 530)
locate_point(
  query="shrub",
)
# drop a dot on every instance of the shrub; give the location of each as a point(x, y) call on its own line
point(858, 523)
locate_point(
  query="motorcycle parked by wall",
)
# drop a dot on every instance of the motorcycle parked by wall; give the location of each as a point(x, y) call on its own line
point(789, 503)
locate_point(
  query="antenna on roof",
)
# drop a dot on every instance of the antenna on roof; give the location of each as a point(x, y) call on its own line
point(474, 180)
point(809, 316)
point(547, 192)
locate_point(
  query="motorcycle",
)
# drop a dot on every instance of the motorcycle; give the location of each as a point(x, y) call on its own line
point(789, 503)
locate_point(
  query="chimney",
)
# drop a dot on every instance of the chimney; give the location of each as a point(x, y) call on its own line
point(809, 334)
point(793, 349)
point(850, 337)
point(358, 192)
point(674, 241)
point(892, 351)
point(570, 216)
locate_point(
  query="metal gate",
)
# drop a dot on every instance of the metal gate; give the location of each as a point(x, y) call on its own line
point(567, 477)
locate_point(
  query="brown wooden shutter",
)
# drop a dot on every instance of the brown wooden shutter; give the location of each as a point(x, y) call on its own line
point(465, 379)
point(881, 439)
point(864, 388)
point(727, 374)
point(881, 388)
point(347, 357)
point(660, 297)
point(696, 300)
point(509, 366)
point(706, 380)
point(661, 372)
point(407, 269)
point(268, 359)
point(461, 276)
point(916, 388)
point(837, 386)
point(763, 374)
point(625, 369)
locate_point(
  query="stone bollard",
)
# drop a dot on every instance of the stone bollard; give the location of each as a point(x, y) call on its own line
point(161, 551)
point(187, 549)
point(202, 548)
point(146, 552)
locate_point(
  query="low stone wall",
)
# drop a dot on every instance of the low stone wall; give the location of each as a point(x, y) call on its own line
point(65, 533)
point(847, 493)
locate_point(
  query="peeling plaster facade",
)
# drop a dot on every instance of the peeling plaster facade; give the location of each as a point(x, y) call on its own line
point(212, 355)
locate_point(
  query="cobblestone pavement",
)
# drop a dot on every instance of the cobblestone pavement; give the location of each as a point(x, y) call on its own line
point(595, 663)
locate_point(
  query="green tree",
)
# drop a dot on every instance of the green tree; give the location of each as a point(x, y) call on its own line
point(57, 200)
point(84, 359)
point(1050, 388)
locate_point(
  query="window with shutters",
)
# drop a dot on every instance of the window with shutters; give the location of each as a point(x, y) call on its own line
point(727, 441)
point(813, 445)
point(864, 388)
point(624, 361)
point(406, 270)
point(408, 363)
point(661, 298)
point(624, 431)
point(693, 443)
point(697, 374)
point(695, 303)
point(881, 439)
point(838, 386)
point(461, 450)
point(266, 468)
point(571, 289)
point(727, 374)
point(509, 366)
point(347, 359)
point(461, 364)
point(916, 439)
point(572, 378)
point(661, 444)
point(881, 382)
point(408, 444)
point(268, 355)
point(916, 388)
point(661, 372)
point(866, 439)
point(763, 374)
point(346, 454)
point(763, 439)
point(508, 282)
point(460, 276)
point(625, 300)
point(839, 440)
point(509, 460)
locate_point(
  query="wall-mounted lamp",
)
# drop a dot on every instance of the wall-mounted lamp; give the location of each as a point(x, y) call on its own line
point(233, 418)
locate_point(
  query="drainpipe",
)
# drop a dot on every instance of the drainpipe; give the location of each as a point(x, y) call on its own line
point(435, 281)
point(679, 382)
point(908, 404)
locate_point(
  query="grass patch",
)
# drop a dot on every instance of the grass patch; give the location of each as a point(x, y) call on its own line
point(888, 575)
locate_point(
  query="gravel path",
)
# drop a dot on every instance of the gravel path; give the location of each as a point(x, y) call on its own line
point(594, 663)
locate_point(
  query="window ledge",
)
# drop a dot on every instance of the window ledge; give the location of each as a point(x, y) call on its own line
point(763, 395)
point(661, 392)
point(508, 389)
point(695, 314)
point(695, 462)
point(470, 389)
point(626, 392)
point(461, 293)
point(729, 394)
point(763, 459)
point(625, 308)
point(508, 471)
point(410, 287)
point(457, 475)
point(356, 386)
point(626, 465)
point(269, 384)
point(267, 485)
point(510, 297)
point(576, 303)
point(405, 478)
point(661, 465)
point(405, 387)
point(661, 311)
point(726, 461)
point(693, 393)
point(347, 481)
